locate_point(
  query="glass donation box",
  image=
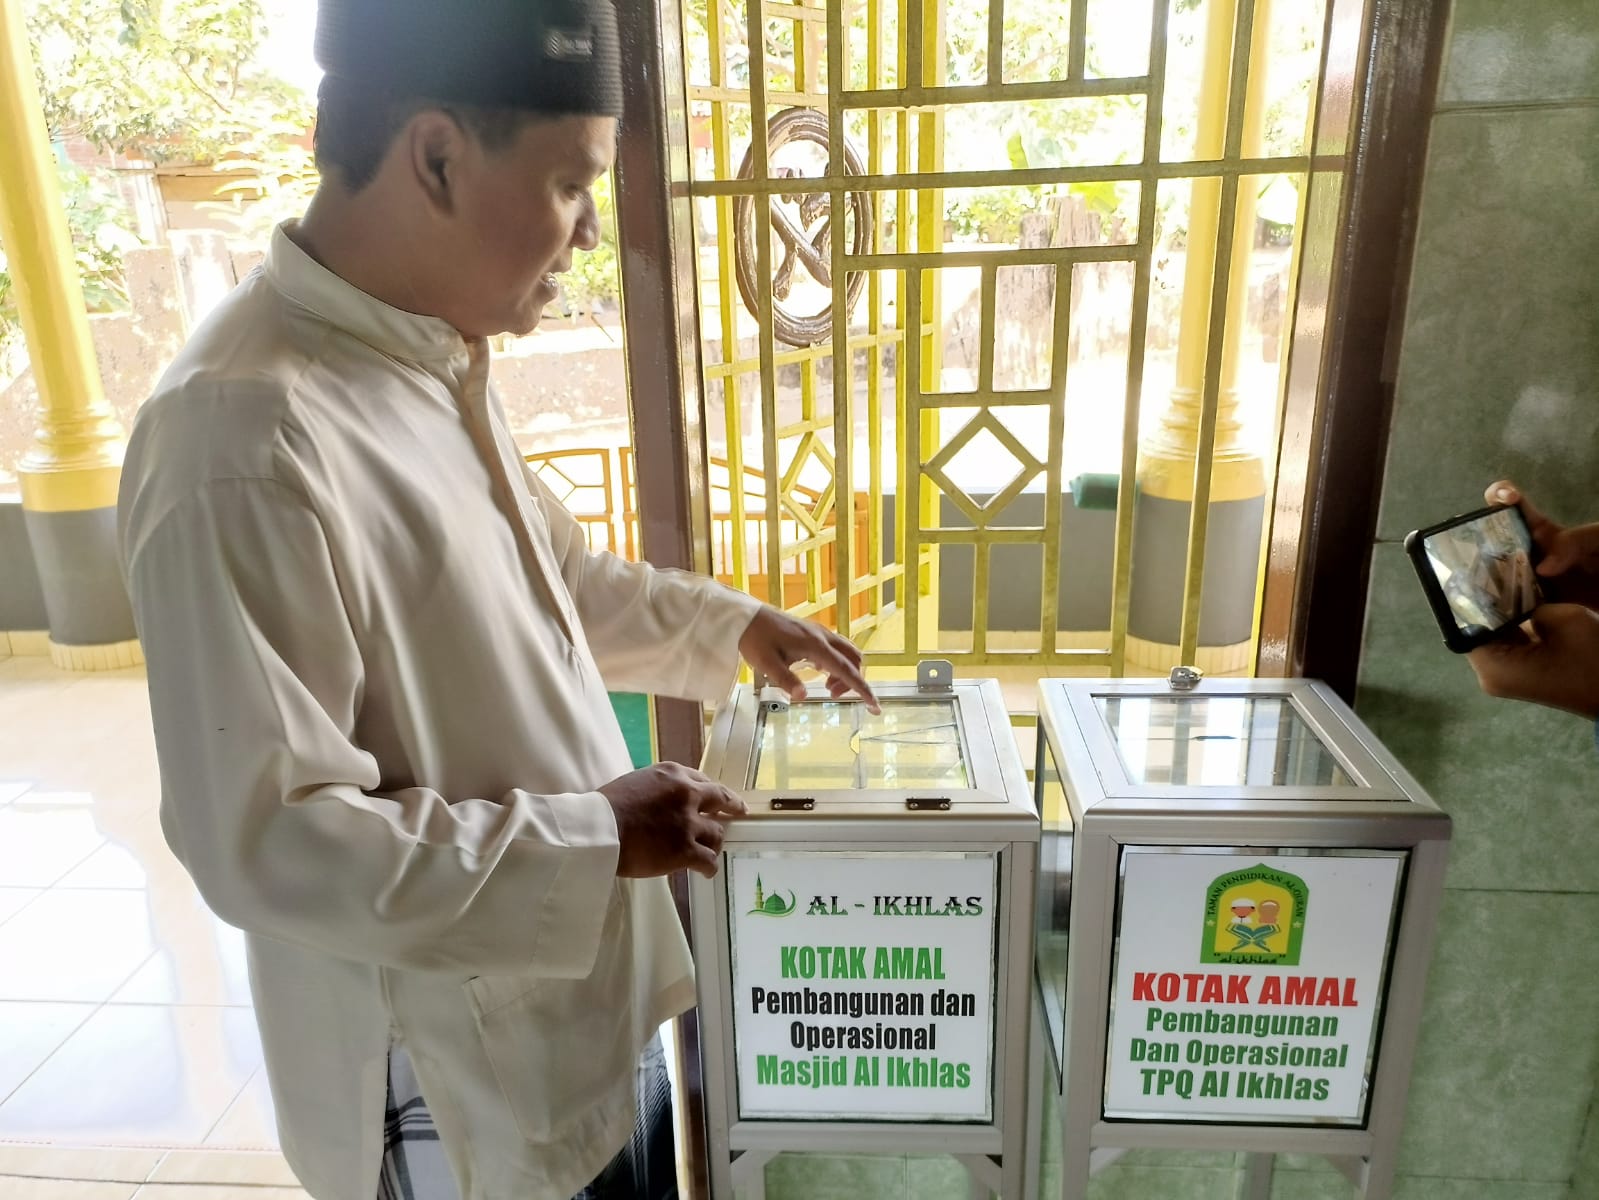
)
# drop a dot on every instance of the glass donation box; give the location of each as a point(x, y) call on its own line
point(1237, 894)
point(865, 952)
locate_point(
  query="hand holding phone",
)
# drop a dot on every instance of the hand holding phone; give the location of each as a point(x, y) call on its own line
point(1478, 571)
point(1567, 555)
point(1552, 660)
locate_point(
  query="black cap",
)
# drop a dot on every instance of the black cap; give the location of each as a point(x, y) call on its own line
point(555, 56)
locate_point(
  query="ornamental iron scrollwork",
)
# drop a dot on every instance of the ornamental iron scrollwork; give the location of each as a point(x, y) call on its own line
point(803, 225)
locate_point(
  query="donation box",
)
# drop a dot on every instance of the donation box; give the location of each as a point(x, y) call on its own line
point(865, 952)
point(1237, 894)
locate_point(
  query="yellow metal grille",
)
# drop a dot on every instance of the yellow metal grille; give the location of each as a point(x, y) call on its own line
point(836, 441)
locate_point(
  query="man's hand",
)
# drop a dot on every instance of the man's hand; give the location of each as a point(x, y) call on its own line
point(668, 817)
point(1553, 659)
point(775, 641)
point(1569, 566)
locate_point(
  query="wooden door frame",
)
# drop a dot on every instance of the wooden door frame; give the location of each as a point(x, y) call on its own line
point(1371, 136)
point(660, 320)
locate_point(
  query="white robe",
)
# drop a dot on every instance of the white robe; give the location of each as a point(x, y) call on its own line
point(379, 651)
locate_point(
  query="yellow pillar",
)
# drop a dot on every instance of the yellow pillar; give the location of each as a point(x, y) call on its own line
point(1164, 619)
point(76, 458)
point(1167, 460)
point(1243, 474)
point(69, 477)
point(930, 240)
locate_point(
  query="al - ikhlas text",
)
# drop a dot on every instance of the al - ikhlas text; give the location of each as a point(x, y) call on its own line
point(900, 906)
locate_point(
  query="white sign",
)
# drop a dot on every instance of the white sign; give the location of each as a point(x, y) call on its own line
point(863, 985)
point(1247, 988)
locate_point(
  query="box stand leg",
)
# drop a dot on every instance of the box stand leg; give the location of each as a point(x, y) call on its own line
point(1257, 1177)
point(1076, 1171)
point(987, 1177)
point(1038, 1068)
point(1376, 1182)
point(1099, 1159)
point(747, 1175)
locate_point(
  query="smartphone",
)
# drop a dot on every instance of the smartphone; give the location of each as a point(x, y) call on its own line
point(1478, 573)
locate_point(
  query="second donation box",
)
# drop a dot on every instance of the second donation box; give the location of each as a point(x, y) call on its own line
point(864, 955)
point(1238, 889)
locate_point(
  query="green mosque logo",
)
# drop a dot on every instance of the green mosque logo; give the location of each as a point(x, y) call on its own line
point(770, 906)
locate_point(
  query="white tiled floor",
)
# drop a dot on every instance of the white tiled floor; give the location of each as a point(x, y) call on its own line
point(129, 1062)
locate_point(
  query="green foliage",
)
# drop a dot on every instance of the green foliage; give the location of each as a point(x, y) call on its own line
point(96, 220)
point(276, 179)
point(166, 80)
point(163, 80)
point(10, 334)
point(593, 284)
point(1023, 135)
point(175, 81)
point(992, 214)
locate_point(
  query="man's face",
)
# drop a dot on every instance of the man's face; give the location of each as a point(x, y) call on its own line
point(524, 209)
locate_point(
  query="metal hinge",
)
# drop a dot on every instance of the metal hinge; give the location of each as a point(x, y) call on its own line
point(935, 675)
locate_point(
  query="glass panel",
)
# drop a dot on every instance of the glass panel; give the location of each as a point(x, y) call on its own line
point(1052, 914)
point(829, 744)
point(1037, 40)
point(1006, 135)
point(1117, 39)
point(1219, 741)
point(1041, 217)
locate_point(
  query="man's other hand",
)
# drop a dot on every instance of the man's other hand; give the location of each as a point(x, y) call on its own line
point(1553, 659)
point(775, 641)
point(669, 817)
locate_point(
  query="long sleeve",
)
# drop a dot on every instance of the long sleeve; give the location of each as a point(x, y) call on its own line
point(256, 683)
point(664, 632)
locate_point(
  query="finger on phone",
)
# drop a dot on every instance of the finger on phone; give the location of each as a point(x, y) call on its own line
point(1521, 635)
point(1502, 491)
point(1543, 530)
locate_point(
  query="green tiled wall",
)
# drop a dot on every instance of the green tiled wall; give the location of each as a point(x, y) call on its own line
point(1498, 375)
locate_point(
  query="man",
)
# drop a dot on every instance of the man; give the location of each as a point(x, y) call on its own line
point(379, 650)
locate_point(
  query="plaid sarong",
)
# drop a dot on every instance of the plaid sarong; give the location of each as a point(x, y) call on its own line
point(415, 1166)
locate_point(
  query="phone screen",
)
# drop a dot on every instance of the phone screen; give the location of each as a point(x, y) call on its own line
point(1484, 567)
